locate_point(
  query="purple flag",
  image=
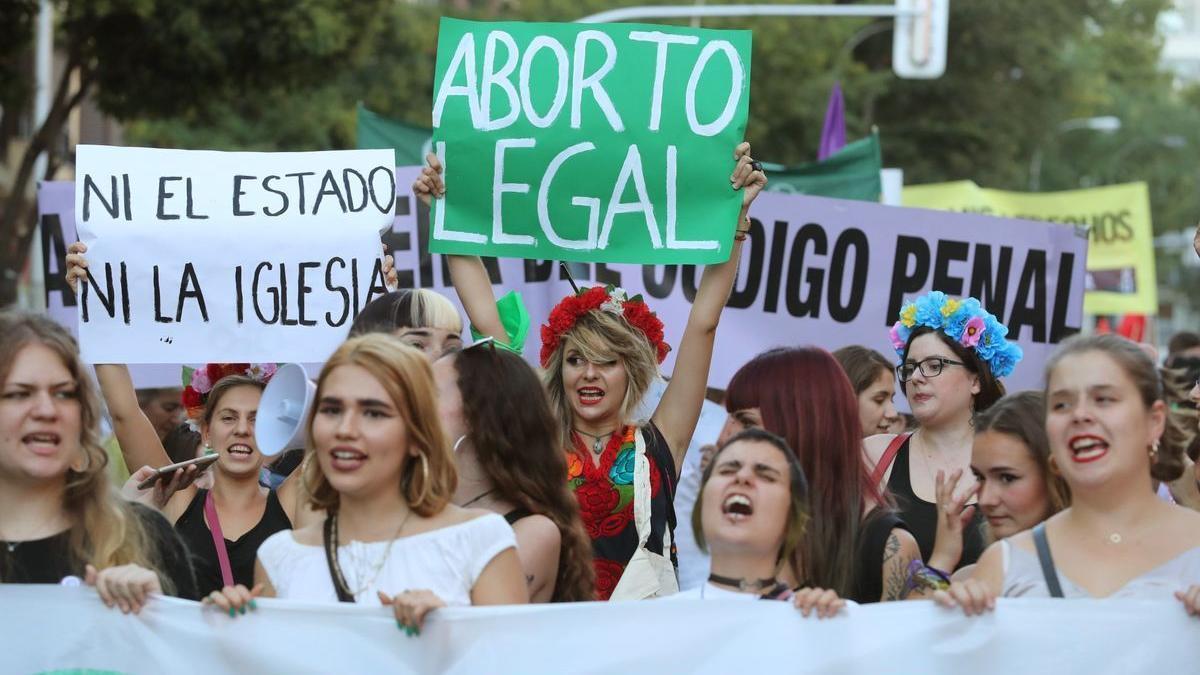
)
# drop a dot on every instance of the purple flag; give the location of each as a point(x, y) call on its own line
point(833, 134)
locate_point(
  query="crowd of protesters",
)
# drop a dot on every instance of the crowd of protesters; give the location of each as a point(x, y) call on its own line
point(438, 474)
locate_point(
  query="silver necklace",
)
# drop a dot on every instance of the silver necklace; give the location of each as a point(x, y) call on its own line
point(598, 442)
point(360, 564)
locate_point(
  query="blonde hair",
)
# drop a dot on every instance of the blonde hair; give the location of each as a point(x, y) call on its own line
point(428, 477)
point(105, 531)
point(600, 337)
point(407, 308)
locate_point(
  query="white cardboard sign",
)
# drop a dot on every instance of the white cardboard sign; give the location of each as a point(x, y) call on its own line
point(198, 256)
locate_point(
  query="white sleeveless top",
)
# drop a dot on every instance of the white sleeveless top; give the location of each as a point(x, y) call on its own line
point(1023, 577)
point(447, 561)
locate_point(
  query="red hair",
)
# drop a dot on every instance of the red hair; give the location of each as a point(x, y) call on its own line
point(804, 396)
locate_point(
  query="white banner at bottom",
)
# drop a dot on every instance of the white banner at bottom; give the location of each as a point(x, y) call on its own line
point(46, 628)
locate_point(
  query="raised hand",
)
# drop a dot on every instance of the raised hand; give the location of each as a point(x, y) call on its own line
point(76, 265)
point(430, 184)
point(746, 177)
point(953, 516)
point(389, 269)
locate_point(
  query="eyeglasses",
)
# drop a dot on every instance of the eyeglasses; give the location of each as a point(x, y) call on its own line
point(930, 367)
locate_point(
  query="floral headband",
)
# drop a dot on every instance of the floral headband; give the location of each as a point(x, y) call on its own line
point(963, 320)
point(198, 382)
point(610, 299)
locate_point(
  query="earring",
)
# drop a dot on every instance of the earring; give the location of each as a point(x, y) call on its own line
point(1154, 449)
point(84, 459)
point(424, 480)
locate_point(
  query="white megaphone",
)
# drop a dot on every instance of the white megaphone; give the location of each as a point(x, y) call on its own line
point(283, 410)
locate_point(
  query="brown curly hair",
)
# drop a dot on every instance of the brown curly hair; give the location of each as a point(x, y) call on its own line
point(517, 444)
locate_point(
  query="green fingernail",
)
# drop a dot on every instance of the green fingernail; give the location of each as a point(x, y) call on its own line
point(399, 625)
point(232, 612)
point(253, 605)
point(242, 609)
point(417, 631)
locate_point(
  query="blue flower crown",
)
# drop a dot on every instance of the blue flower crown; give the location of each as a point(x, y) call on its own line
point(963, 320)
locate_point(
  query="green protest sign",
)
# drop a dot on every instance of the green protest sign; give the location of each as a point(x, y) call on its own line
point(604, 143)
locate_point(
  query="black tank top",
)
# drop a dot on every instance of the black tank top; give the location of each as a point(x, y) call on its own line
point(517, 514)
point(921, 516)
point(199, 541)
point(868, 575)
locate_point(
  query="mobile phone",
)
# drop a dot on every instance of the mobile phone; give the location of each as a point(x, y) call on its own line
point(166, 471)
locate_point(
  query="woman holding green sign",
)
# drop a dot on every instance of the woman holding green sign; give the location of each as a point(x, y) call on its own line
point(600, 351)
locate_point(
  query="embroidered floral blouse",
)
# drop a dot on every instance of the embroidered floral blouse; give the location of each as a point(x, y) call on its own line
point(605, 493)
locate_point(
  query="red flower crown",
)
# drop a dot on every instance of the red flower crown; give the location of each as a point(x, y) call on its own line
point(198, 382)
point(601, 298)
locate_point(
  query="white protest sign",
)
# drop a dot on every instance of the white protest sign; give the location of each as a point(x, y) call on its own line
point(820, 271)
point(50, 628)
point(199, 256)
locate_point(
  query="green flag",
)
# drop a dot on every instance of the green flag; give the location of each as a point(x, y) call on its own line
point(604, 143)
point(852, 173)
point(410, 142)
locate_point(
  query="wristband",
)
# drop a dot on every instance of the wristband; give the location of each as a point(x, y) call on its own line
point(922, 576)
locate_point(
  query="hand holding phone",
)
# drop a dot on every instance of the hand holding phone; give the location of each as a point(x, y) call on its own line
point(165, 472)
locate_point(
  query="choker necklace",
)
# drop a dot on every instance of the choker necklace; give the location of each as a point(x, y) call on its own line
point(475, 499)
point(744, 585)
point(598, 441)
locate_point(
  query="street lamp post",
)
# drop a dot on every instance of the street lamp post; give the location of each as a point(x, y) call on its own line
point(1106, 124)
point(918, 48)
point(1172, 142)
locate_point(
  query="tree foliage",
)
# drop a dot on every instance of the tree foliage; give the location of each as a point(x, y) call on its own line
point(266, 76)
point(171, 58)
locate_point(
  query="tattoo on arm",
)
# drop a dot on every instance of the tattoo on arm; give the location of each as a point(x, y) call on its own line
point(895, 570)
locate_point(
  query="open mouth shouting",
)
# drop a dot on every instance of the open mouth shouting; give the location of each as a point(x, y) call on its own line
point(737, 507)
point(42, 442)
point(347, 459)
point(1087, 448)
point(589, 396)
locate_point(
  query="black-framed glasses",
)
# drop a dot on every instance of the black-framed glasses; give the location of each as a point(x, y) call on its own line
point(930, 367)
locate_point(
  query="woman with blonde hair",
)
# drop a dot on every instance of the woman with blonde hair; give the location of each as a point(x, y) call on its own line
point(59, 516)
point(600, 351)
point(381, 469)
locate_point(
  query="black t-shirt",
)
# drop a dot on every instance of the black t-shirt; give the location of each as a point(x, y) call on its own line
point(49, 560)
